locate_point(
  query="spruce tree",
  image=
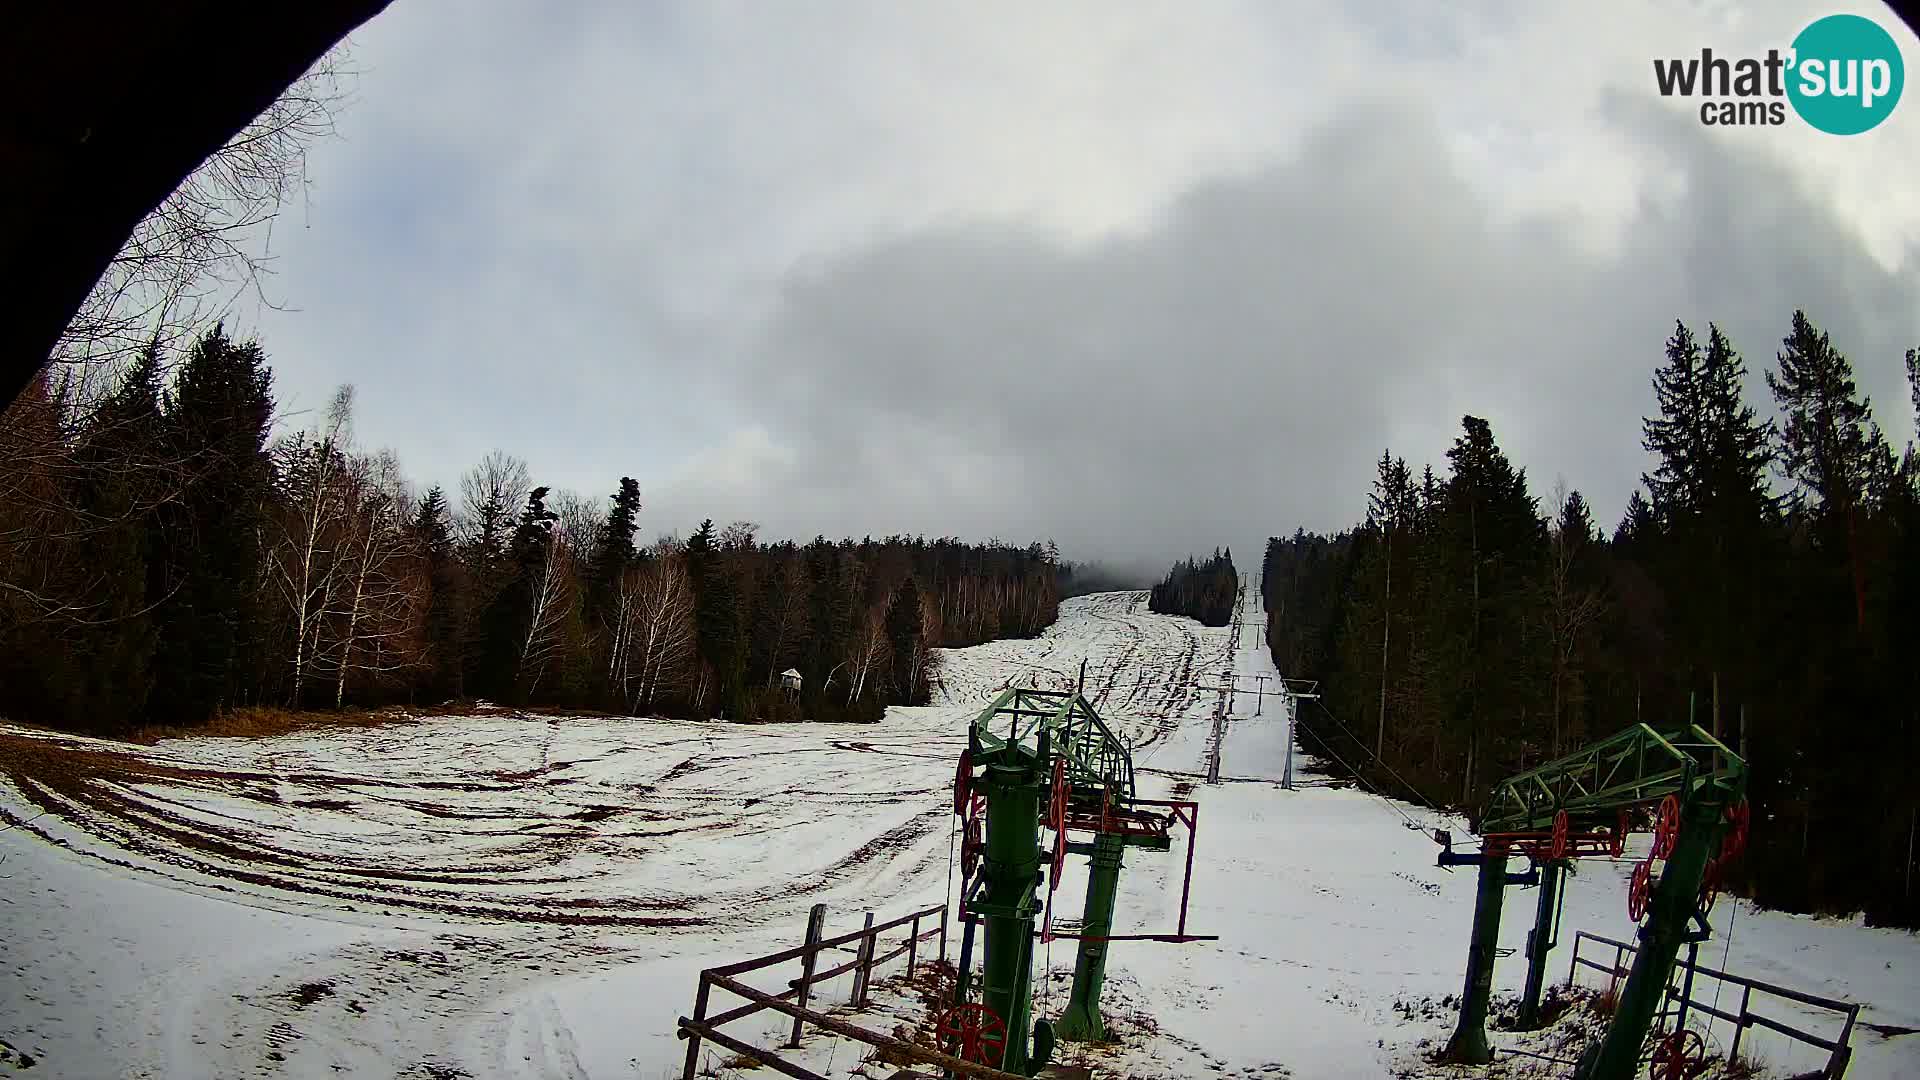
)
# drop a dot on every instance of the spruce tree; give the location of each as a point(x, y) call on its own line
point(1639, 525)
point(904, 635)
point(1830, 446)
point(1710, 495)
point(1676, 435)
point(613, 552)
point(717, 619)
point(210, 620)
point(445, 627)
point(504, 626)
point(1498, 544)
point(121, 480)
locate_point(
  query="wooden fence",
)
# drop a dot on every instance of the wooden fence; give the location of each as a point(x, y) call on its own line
point(793, 1000)
point(1681, 1001)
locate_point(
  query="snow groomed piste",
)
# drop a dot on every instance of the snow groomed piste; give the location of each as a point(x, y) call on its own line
point(505, 895)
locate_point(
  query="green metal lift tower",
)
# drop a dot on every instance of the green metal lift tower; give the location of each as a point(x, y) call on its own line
point(1039, 758)
point(1582, 806)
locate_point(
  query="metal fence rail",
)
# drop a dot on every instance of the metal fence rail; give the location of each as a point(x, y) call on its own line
point(1839, 1048)
point(701, 1026)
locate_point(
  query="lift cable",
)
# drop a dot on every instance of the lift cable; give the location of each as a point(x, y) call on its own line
point(1362, 781)
point(1418, 798)
point(1725, 954)
point(953, 830)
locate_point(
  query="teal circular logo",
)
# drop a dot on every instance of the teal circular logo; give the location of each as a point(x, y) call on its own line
point(1846, 74)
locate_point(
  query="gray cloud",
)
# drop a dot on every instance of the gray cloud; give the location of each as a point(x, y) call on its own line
point(1234, 369)
point(1143, 279)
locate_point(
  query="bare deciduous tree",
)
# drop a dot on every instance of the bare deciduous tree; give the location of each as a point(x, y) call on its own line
point(209, 242)
point(310, 465)
point(871, 651)
point(580, 519)
point(552, 596)
point(791, 590)
point(491, 494)
point(658, 599)
point(381, 600)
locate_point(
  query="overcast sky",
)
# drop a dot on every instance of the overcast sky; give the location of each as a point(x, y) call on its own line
point(1144, 278)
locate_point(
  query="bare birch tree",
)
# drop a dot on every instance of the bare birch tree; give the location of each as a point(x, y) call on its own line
point(871, 651)
point(662, 632)
point(380, 602)
point(551, 593)
point(311, 466)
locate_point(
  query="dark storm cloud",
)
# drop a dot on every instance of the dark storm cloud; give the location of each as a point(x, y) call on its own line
point(1234, 369)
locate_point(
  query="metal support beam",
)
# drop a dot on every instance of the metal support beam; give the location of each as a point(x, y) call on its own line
point(1469, 1043)
point(1081, 1021)
point(1539, 943)
point(1012, 870)
point(1675, 898)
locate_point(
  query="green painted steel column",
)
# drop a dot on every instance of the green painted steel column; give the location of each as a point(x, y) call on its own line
point(1469, 1043)
point(1675, 898)
point(1081, 1021)
point(1012, 870)
point(1539, 943)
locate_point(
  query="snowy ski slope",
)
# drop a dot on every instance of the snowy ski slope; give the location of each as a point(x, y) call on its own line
point(525, 896)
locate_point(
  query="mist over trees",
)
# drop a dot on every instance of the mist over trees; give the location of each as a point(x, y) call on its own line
point(1765, 584)
point(1204, 591)
point(1081, 578)
point(164, 558)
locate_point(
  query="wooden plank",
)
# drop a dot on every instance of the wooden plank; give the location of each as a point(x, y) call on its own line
point(816, 924)
point(797, 951)
point(765, 1057)
point(870, 1038)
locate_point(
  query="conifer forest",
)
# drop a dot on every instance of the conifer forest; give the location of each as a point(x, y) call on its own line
point(164, 557)
point(1764, 582)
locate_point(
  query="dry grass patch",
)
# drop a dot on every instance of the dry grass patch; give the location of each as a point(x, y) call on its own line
point(265, 721)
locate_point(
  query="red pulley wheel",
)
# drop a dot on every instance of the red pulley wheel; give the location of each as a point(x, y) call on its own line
point(1639, 889)
point(1709, 886)
point(1560, 835)
point(1057, 812)
point(971, 845)
point(1738, 817)
point(975, 1031)
point(963, 782)
point(1680, 1056)
point(1666, 830)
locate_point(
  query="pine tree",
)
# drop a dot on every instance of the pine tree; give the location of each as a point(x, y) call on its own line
point(1711, 498)
point(717, 621)
point(1677, 435)
point(504, 626)
point(904, 637)
point(121, 480)
point(1639, 525)
point(1830, 446)
point(444, 632)
point(210, 621)
point(1498, 540)
point(613, 551)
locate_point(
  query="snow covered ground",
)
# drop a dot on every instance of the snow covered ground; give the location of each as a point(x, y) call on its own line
point(526, 896)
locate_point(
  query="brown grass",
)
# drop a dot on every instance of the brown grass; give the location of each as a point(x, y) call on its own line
point(263, 721)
